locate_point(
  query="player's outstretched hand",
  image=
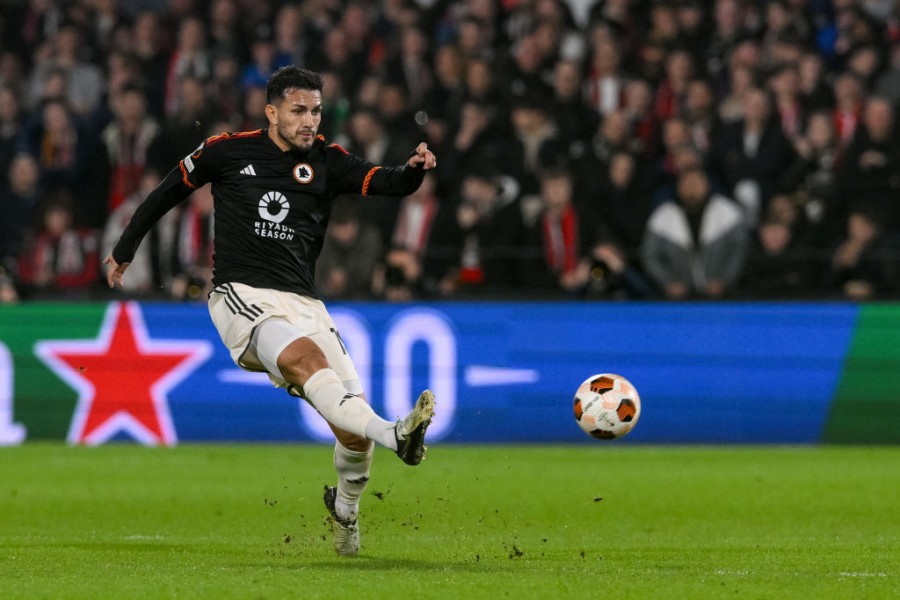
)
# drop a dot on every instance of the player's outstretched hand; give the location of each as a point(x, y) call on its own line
point(114, 271)
point(423, 156)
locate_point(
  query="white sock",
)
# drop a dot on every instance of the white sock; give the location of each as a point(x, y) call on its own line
point(346, 411)
point(353, 474)
point(383, 432)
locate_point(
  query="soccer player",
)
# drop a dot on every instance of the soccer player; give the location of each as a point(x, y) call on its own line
point(273, 191)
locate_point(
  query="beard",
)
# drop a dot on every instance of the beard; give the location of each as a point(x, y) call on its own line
point(294, 140)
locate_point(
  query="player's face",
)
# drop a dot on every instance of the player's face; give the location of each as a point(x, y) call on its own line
point(294, 122)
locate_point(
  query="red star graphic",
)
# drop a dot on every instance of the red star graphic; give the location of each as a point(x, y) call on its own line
point(123, 377)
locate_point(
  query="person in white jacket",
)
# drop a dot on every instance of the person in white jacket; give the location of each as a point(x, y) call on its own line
point(695, 245)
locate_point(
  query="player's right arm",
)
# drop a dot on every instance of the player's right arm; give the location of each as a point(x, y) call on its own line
point(191, 173)
point(161, 200)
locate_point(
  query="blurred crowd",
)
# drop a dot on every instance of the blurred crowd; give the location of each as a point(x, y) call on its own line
point(640, 149)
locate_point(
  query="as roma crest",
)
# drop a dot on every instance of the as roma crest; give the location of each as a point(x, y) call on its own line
point(303, 173)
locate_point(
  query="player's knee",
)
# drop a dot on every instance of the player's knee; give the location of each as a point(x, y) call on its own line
point(354, 442)
point(300, 360)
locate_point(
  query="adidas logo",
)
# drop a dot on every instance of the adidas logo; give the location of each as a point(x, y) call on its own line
point(248, 170)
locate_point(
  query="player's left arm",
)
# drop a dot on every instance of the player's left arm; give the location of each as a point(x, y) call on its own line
point(373, 180)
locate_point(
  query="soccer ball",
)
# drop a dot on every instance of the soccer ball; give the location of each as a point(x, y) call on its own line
point(607, 406)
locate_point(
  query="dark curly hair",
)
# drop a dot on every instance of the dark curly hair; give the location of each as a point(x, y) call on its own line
point(291, 78)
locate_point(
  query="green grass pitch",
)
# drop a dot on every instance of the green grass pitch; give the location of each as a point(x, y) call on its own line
point(595, 521)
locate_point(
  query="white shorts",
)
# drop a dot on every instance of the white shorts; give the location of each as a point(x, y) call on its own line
point(237, 311)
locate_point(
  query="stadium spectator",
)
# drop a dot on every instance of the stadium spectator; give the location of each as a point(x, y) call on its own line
point(336, 106)
point(780, 25)
point(334, 56)
point(399, 277)
point(254, 101)
point(394, 110)
point(409, 66)
point(620, 205)
point(746, 55)
point(749, 156)
point(12, 120)
point(53, 87)
point(663, 25)
point(552, 42)
point(31, 22)
point(264, 58)
point(368, 91)
point(784, 84)
point(812, 174)
point(671, 93)
point(352, 250)
point(643, 123)
point(152, 60)
point(223, 88)
point(445, 97)
point(481, 84)
point(183, 130)
point(729, 30)
point(481, 139)
point(59, 257)
point(106, 28)
point(20, 199)
point(65, 152)
point(474, 38)
point(778, 262)
point(731, 106)
point(694, 29)
point(695, 245)
point(576, 122)
point(854, 28)
point(557, 243)
point(682, 158)
point(612, 275)
point(484, 238)
point(864, 264)
point(122, 70)
point(425, 237)
point(535, 144)
point(417, 218)
point(12, 73)
point(525, 75)
point(127, 140)
point(676, 135)
point(815, 93)
point(189, 59)
point(651, 61)
point(370, 138)
point(614, 135)
point(366, 46)
point(224, 27)
point(865, 62)
point(292, 37)
point(849, 97)
point(84, 80)
point(888, 83)
point(699, 113)
point(868, 175)
point(605, 79)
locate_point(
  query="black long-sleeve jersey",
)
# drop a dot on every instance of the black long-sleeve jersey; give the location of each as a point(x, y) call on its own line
point(271, 206)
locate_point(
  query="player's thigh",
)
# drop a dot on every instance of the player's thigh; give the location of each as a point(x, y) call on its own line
point(329, 341)
point(237, 311)
point(249, 318)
